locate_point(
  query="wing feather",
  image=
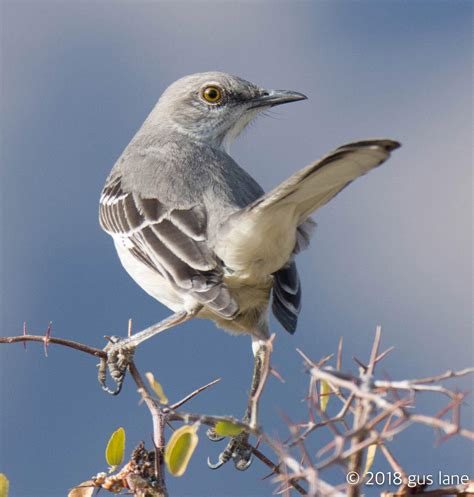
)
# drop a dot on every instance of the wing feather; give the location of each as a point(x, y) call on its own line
point(171, 242)
point(266, 229)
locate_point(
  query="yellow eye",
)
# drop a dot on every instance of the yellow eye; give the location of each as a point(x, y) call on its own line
point(212, 94)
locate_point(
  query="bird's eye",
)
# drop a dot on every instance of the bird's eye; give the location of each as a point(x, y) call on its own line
point(212, 94)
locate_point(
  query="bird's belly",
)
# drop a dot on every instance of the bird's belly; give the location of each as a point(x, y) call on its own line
point(249, 292)
point(152, 282)
point(253, 297)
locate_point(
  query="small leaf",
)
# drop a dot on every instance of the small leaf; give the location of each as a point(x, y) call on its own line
point(371, 449)
point(85, 489)
point(324, 391)
point(180, 448)
point(4, 485)
point(115, 448)
point(157, 388)
point(227, 429)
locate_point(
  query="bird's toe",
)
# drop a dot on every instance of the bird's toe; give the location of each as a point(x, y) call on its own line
point(213, 436)
point(119, 356)
point(239, 450)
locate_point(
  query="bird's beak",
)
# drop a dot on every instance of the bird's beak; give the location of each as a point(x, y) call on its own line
point(276, 97)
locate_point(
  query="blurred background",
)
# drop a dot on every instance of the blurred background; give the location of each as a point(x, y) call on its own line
point(79, 78)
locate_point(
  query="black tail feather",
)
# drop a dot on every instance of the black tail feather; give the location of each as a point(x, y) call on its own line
point(286, 302)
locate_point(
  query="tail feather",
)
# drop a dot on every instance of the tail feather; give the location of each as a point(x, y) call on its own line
point(286, 301)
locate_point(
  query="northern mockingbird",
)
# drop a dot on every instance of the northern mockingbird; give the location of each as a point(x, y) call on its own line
point(200, 235)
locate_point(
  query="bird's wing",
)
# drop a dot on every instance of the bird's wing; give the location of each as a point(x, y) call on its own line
point(265, 231)
point(172, 242)
point(316, 184)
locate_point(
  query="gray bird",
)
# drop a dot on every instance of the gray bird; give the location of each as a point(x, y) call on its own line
point(200, 235)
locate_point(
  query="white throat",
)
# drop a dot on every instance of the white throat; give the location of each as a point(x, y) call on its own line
point(237, 128)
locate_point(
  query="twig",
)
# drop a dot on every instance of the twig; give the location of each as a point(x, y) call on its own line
point(360, 396)
point(395, 465)
point(446, 426)
point(361, 416)
point(276, 469)
point(193, 394)
point(444, 376)
point(354, 388)
point(58, 341)
point(159, 421)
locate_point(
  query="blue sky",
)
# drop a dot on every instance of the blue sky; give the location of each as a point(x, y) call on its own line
point(394, 249)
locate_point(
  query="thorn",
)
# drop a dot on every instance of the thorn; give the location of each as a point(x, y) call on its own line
point(308, 361)
point(360, 364)
point(47, 336)
point(276, 374)
point(130, 327)
point(387, 423)
point(327, 447)
point(269, 475)
point(374, 351)
point(324, 360)
point(24, 333)
point(384, 354)
point(339, 354)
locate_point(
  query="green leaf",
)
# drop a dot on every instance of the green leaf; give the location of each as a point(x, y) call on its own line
point(115, 448)
point(227, 429)
point(4, 485)
point(371, 449)
point(157, 388)
point(180, 448)
point(324, 391)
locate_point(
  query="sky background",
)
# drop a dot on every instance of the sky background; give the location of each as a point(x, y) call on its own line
point(394, 249)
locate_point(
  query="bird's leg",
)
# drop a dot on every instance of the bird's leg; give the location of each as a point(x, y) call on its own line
point(120, 350)
point(262, 350)
point(238, 448)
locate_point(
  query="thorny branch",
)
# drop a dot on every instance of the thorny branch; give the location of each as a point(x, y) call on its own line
point(369, 402)
point(161, 415)
point(372, 413)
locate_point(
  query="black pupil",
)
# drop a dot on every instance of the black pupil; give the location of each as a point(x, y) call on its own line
point(212, 93)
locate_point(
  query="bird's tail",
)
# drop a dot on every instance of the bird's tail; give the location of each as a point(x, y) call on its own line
point(261, 237)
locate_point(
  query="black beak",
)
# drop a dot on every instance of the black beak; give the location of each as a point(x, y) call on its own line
point(276, 97)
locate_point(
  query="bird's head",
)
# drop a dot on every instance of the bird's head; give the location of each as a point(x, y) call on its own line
point(214, 107)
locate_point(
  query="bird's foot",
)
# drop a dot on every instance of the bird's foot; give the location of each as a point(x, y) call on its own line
point(238, 449)
point(213, 436)
point(119, 355)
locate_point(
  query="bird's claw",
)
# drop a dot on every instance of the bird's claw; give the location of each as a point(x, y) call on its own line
point(216, 465)
point(213, 437)
point(243, 458)
point(118, 358)
point(239, 450)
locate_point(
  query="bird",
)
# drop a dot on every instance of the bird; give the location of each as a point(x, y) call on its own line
point(200, 235)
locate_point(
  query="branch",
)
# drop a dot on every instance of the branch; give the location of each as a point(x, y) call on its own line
point(159, 421)
point(58, 341)
point(366, 401)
